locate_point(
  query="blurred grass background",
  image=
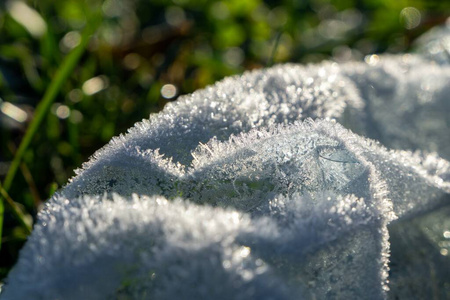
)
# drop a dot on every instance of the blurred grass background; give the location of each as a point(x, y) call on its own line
point(142, 54)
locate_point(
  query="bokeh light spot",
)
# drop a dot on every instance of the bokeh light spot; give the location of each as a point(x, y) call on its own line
point(372, 59)
point(410, 17)
point(234, 56)
point(169, 91)
point(63, 112)
point(75, 95)
point(27, 17)
point(132, 61)
point(70, 41)
point(76, 116)
point(95, 85)
point(175, 15)
point(13, 111)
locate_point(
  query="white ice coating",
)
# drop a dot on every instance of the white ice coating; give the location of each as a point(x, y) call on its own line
point(276, 184)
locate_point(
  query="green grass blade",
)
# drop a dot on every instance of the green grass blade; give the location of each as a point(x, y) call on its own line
point(274, 49)
point(2, 211)
point(63, 73)
point(14, 209)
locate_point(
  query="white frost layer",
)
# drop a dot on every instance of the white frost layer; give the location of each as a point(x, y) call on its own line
point(406, 101)
point(151, 248)
point(313, 156)
point(435, 44)
point(261, 204)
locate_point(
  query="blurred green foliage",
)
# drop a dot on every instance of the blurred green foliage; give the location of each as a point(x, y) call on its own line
point(144, 54)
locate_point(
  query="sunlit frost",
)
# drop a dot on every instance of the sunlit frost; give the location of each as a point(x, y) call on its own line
point(276, 184)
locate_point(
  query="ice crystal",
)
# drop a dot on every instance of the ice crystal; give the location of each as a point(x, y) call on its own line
point(406, 98)
point(277, 184)
point(154, 248)
point(311, 156)
point(435, 44)
point(125, 170)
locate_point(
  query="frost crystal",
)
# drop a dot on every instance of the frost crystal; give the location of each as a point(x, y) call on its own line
point(276, 184)
point(407, 101)
point(435, 44)
point(154, 248)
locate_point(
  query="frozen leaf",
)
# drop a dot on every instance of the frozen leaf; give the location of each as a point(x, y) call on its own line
point(125, 170)
point(263, 163)
point(435, 44)
point(313, 157)
point(145, 248)
point(406, 100)
point(272, 207)
point(420, 262)
point(281, 94)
